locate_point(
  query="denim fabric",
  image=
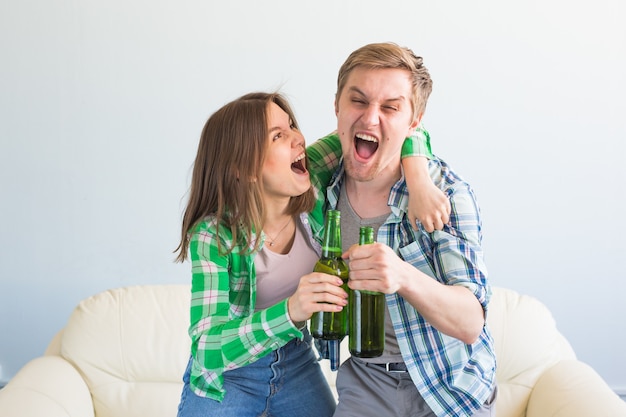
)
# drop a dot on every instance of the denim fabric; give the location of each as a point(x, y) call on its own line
point(287, 382)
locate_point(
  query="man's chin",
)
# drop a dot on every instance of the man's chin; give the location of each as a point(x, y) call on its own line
point(360, 172)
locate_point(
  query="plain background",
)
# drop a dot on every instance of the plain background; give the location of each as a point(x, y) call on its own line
point(102, 104)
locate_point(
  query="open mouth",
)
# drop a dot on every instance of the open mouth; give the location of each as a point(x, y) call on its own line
point(298, 166)
point(365, 145)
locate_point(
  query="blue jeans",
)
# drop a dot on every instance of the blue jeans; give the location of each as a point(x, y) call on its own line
point(286, 382)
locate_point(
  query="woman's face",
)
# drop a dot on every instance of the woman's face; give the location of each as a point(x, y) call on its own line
point(284, 170)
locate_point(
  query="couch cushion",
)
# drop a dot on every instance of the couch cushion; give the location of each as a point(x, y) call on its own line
point(552, 395)
point(527, 342)
point(131, 346)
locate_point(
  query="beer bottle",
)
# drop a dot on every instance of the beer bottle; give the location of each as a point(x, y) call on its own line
point(366, 312)
point(324, 324)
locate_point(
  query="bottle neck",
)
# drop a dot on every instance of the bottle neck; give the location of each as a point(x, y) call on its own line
point(331, 245)
point(366, 235)
point(331, 252)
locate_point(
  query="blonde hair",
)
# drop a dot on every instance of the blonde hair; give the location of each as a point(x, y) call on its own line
point(230, 155)
point(390, 55)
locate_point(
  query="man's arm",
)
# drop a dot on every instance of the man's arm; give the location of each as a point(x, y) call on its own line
point(455, 302)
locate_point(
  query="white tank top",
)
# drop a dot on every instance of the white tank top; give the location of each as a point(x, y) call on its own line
point(277, 275)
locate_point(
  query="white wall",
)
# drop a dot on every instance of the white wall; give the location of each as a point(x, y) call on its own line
point(102, 103)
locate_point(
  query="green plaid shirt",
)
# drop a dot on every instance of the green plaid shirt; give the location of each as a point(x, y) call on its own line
point(226, 332)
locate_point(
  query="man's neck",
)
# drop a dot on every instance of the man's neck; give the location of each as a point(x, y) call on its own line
point(369, 198)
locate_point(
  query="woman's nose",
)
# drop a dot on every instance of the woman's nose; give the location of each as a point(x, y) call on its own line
point(298, 140)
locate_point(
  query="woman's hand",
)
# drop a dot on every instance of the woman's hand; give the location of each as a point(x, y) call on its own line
point(429, 206)
point(316, 292)
point(427, 203)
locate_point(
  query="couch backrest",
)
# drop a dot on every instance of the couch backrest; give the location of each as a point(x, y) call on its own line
point(527, 342)
point(131, 347)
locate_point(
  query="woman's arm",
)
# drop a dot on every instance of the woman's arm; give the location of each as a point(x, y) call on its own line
point(427, 203)
point(323, 158)
point(225, 331)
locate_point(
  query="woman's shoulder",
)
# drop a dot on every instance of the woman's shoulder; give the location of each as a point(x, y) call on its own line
point(209, 231)
point(209, 228)
point(206, 224)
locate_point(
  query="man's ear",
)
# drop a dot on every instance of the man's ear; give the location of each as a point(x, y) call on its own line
point(336, 108)
point(416, 122)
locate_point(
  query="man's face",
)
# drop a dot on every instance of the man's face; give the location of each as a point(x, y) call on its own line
point(374, 116)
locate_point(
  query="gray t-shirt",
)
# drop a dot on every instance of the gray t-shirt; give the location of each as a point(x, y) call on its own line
point(350, 225)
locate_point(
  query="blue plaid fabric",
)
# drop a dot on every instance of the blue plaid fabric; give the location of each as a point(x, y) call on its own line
point(453, 378)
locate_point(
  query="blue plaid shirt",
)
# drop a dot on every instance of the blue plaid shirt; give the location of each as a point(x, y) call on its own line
point(454, 378)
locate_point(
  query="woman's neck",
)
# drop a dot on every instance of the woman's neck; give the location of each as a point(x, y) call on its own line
point(279, 227)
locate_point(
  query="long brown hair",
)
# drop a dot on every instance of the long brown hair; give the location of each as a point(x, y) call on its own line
point(226, 180)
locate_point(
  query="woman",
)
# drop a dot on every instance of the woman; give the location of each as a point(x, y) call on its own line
point(252, 254)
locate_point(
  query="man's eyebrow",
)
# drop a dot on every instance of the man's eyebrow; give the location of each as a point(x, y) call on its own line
point(355, 89)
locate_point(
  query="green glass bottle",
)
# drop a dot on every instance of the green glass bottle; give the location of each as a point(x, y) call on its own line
point(366, 314)
point(327, 325)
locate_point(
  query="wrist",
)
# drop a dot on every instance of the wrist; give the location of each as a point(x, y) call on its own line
point(294, 320)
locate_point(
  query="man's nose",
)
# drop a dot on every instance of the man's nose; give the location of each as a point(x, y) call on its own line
point(371, 116)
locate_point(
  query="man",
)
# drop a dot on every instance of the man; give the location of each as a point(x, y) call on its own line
point(439, 358)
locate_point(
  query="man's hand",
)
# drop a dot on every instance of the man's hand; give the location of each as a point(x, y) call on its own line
point(453, 310)
point(376, 267)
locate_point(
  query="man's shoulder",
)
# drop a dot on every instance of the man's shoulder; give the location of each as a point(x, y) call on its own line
point(444, 176)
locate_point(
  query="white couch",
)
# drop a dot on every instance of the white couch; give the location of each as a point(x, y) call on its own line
point(123, 352)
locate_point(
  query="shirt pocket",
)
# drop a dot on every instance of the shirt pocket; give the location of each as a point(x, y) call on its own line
point(415, 254)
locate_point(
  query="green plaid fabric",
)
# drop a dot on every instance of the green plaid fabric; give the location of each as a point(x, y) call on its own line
point(226, 332)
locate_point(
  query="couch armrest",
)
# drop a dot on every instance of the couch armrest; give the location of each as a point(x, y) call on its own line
point(47, 386)
point(573, 389)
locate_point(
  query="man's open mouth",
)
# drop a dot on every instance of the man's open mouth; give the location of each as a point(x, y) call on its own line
point(365, 145)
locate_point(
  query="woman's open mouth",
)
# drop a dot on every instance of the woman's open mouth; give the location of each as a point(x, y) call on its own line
point(298, 165)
